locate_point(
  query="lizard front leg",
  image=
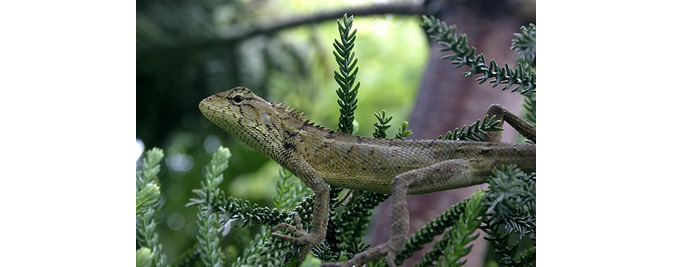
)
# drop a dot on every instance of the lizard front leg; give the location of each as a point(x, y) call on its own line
point(454, 173)
point(320, 213)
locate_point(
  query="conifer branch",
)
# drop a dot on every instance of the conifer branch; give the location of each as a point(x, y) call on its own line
point(431, 229)
point(476, 132)
point(267, 251)
point(381, 124)
point(403, 131)
point(189, 257)
point(144, 257)
point(464, 56)
point(510, 203)
point(345, 77)
point(529, 105)
point(355, 219)
point(527, 258)
point(289, 190)
point(250, 214)
point(274, 251)
point(454, 244)
point(463, 232)
point(209, 239)
point(208, 200)
point(147, 206)
point(524, 44)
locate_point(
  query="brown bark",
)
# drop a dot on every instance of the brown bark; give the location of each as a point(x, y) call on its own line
point(446, 100)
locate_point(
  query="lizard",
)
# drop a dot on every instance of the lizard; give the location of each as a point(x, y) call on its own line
point(321, 158)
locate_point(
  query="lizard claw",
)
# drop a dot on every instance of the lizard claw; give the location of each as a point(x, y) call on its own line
point(299, 231)
point(309, 240)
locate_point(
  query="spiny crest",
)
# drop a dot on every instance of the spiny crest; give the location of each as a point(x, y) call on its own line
point(284, 108)
point(298, 115)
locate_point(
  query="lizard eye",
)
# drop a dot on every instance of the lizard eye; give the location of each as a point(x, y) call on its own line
point(238, 99)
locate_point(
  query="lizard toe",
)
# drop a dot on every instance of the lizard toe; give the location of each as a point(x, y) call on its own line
point(288, 238)
point(286, 226)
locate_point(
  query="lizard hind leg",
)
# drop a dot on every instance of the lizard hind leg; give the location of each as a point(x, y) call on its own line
point(523, 127)
point(455, 173)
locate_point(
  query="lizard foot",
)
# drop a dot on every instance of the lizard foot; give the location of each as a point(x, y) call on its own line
point(363, 257)
point(309, 240)
point(299, 231)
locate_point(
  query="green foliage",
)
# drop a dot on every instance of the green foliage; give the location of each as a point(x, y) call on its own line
point(289, 191)
point(147, 206)
point(348, 70)
point(510, 206)
point(147, 197)
point(144, 257)
point(189, 257)
point(354, 220)
point(254, 250)
point(147, 237)
point(207, 197)
point(264, 250)
point(381, 125)
point(463, 232)
point(524, 44)
point(464, 56)
point(430, 230)
point(529, 105)
point(310, 261)
point(454, 244)
point(476, 132)
point(347, 100)
point(526, 258)
point(209, 225)
point(511, 199)
point(149, 169)
point(207, 201)
point(250, 214)
point(403, 131)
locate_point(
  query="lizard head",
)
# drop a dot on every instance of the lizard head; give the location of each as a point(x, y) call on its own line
point(252, 119)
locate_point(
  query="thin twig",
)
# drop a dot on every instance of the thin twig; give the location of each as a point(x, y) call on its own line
point(234, 34)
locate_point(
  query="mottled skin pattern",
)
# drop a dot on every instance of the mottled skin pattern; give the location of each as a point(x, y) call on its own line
point(322, 157)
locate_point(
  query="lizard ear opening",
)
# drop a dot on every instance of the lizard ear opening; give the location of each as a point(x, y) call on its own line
point(266, 118)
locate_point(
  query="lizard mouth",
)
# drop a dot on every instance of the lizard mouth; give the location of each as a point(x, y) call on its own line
point(209, 103)
point(208, 107)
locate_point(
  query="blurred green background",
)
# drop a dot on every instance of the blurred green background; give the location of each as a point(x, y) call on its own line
point(183, 56)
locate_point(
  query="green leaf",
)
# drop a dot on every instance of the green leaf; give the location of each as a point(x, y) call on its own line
point(144, 257)
point(310, 261)
point(147, 197)
point(403, 131)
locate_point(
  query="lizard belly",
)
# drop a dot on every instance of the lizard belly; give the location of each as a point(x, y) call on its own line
point(373, 174)
point(368, 183)
point(368, 167)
